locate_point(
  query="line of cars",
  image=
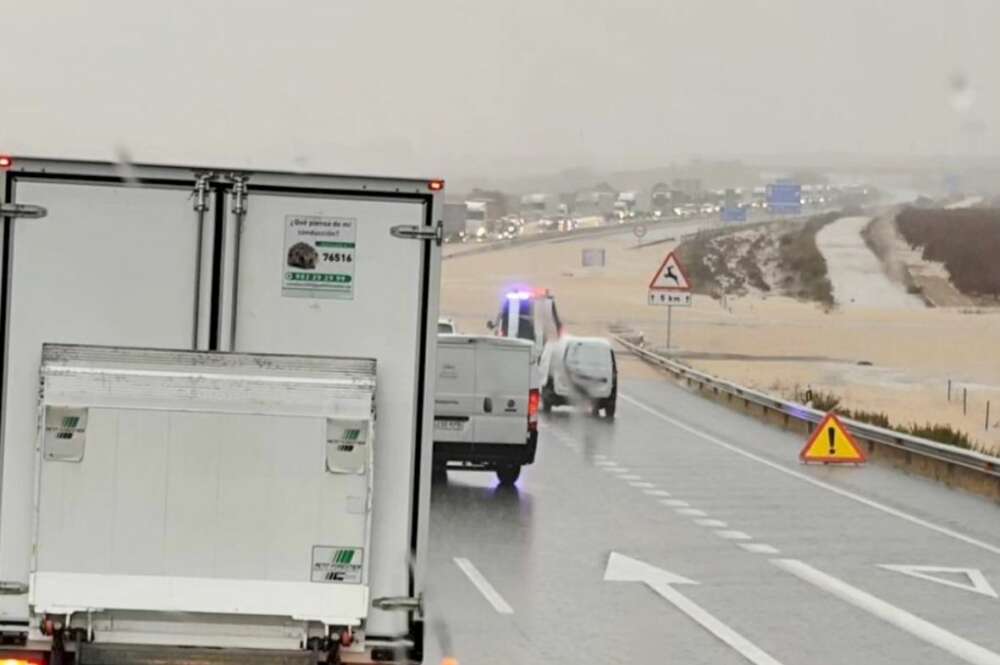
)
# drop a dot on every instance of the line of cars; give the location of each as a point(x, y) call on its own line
point(491, 387)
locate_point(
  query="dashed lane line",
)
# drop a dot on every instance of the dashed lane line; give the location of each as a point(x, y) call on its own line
point(847, 494)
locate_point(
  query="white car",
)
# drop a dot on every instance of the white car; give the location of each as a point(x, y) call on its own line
point(580, 370)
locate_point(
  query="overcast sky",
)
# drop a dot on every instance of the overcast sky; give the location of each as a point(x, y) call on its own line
point(448, 86)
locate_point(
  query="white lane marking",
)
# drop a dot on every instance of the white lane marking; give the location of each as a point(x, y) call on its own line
point(715, 524)
point(641, 485)
point(847, 494)
point(656, 492)
point(618, 470)
point(977, 581)
point(491, 594)
point(898, 617)
point(733, 535)
point(675, 503)
point(630, 476)
point(625, 569)
point(611, 469)
point(604, 462)
point(759, 548)
point(691, 512)
point(600, 457)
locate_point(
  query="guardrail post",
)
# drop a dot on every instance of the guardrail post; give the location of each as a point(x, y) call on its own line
point(949, 390)
point(965, 401)
point(987, 415)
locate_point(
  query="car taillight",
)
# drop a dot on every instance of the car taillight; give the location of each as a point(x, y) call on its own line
point(534, 399)
point(6, 162)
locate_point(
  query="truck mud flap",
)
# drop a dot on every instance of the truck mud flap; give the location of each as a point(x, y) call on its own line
point(120, 654)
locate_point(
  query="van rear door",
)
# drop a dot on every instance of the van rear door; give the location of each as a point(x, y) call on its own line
point(455, 393)
point(503, 379)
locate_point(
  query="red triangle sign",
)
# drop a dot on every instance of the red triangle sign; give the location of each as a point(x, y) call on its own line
point(670, 276)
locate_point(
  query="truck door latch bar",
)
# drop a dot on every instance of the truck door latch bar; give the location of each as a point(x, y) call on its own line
point(412, 232)
point(407, 603)
point(22, 210)
point(13, 588)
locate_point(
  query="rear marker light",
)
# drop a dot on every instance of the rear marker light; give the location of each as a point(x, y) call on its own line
point(534, 400)
point(6, 161)
point(435, 185)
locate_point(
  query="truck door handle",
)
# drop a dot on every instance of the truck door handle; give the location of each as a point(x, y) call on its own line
point(488, 405)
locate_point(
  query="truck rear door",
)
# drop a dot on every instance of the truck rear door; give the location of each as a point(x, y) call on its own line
point(319, 271)
point(111, 263)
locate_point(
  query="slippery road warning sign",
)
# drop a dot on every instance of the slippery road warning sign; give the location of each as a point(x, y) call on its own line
point(832, 443)
point(670, 276)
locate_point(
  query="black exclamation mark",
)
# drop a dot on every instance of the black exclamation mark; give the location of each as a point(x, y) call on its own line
point(831, 436)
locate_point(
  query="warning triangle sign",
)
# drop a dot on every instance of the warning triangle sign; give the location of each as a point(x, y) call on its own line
point(670, 276)
point(832, 443)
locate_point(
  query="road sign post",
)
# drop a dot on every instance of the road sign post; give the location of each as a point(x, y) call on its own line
point(670, 323)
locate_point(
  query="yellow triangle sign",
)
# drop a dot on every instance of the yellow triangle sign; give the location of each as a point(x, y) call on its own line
point(832, 443)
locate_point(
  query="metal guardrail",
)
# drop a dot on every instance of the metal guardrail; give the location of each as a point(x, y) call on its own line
point(985, 464)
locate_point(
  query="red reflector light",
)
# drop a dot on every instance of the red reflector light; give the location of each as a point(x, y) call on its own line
point(6, 161)
point(534, 400)
point(435, 185)
point(20, 661)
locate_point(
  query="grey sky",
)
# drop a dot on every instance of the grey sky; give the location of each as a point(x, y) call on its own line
point(439, 86)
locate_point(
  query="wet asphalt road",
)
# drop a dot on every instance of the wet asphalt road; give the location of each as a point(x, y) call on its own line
point(787, 558)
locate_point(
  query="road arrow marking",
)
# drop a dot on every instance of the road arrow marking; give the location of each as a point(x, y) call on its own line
point(977, 581)
point(922, 629)
point(626, 569)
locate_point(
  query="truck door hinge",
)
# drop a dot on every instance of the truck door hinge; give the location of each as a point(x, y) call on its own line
point(412, 232)
point(239, 193)
point(200, 192)
point(24, 210)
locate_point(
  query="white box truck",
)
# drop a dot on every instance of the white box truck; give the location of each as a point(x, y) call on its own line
point(196, 364)
point(485, 407)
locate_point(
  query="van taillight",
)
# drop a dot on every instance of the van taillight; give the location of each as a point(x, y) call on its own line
point(534, 399)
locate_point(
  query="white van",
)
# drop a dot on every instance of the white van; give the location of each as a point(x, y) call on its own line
point(580, 370)
point(485, 409)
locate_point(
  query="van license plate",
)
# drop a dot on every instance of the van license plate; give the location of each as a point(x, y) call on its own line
point(450, 425)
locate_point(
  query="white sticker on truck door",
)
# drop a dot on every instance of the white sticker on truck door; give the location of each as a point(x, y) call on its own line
point(319, 257)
